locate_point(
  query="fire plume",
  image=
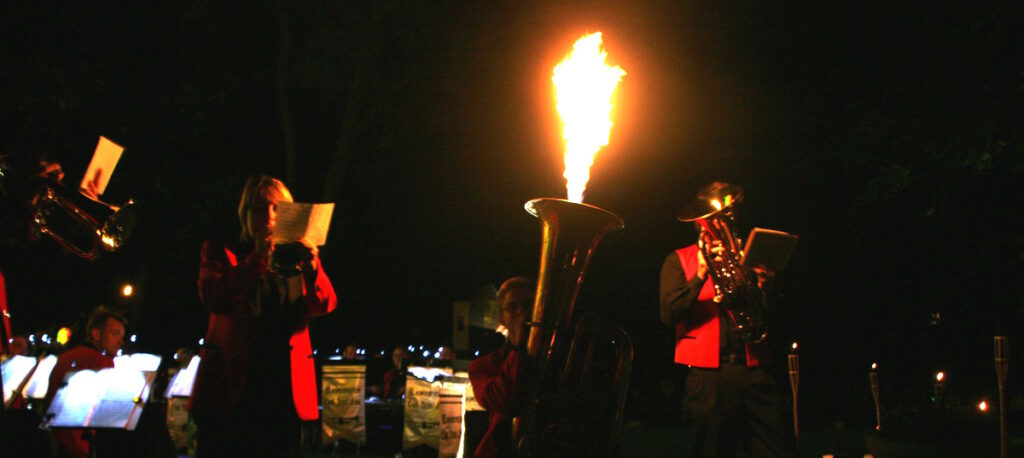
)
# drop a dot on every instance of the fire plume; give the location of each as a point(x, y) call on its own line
point(584, 85)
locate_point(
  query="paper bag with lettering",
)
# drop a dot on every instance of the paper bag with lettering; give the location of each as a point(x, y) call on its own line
point(421, 413)
point(452, 414)
point(344, 412)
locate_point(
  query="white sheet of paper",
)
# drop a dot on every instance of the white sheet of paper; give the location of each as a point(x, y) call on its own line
point(297, 221)
point(104, 159)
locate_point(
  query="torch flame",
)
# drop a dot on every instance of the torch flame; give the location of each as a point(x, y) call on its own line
point(584, 87)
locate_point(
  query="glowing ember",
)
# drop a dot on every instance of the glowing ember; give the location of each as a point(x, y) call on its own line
point(584, 87)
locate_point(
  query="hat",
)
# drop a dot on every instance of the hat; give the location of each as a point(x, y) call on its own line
point(711, 199)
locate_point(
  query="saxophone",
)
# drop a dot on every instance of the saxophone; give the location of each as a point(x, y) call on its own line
point(735, 287)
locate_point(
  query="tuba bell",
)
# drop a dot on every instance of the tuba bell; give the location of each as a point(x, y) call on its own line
point(580, 364)
point(735, 288)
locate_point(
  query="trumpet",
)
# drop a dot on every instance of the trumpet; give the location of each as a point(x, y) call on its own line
point(81, 225)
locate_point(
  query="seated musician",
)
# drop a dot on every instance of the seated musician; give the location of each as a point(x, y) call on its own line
point(497, 378)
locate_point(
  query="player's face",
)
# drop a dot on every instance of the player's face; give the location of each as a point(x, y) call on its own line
point(110, 336)
point(262, 216)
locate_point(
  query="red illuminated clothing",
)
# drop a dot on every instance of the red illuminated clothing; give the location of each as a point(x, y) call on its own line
point(686, 304)
point(497, 380)
point(5, 332)
point(236, 333)
point(69, 442)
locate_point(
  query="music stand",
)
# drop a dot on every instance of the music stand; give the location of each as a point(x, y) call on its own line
point(108, 398)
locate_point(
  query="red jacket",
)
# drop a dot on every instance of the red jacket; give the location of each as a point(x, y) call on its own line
point(698, 338)
point(225, 286)
point(497, 384)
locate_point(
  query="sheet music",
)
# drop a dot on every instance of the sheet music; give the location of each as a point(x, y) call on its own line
point(110, 398)
point(301, 221)
point(73, 403)
point(14, 371)
point(769, 247)
point(40, 381)
point(181, 384)
point(101, 167)
point(144, 362)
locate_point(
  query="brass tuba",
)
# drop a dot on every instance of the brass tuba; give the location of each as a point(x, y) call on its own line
point(734, 287)
point(580, 365)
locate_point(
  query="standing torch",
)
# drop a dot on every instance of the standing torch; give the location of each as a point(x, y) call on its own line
point(873, 376)
point(1002, 354)
point(794, 383)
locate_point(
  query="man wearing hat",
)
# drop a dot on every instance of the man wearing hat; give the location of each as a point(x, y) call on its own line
point(732, 398)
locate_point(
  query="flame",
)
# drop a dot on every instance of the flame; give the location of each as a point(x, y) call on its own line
point(584, 87)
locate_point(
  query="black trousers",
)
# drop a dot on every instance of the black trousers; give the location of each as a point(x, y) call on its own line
point(249, 431)
point(738, 406)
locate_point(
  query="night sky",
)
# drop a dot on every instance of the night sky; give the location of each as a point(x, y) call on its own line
point(889, 138)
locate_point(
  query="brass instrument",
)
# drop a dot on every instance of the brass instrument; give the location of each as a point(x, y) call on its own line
point(734, 287)
point(81, 225)
point(580, 366)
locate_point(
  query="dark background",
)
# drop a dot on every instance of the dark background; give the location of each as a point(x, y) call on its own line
point(889, 137)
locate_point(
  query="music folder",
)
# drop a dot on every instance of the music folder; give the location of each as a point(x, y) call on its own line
point(770, 248)
point(108, 398)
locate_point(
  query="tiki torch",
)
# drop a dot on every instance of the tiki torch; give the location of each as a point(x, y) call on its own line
point(794, 383)
point(1002, 353)
point(873, 376)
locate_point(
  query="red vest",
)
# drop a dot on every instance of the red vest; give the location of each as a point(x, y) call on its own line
point(698, 337)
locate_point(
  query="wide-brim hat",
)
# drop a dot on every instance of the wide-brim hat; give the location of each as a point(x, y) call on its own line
point(712, 199)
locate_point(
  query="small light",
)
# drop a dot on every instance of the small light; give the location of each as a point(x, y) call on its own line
point(133, 338)
point(120, 352)
point(476, 353)
point(939, 376)
point(46, 338)
point(31, 338)
point(411, 348)
point(795, 345)
point(382, 352)
point(426, 353)
point(874, 366)
point(127, 290)
point(315, 352)
point(337, 350)
point(437, 354)
point(983, 406)
point(201, 341)
point(63, 335)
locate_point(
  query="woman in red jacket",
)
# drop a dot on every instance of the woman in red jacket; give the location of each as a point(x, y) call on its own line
point(256, 380)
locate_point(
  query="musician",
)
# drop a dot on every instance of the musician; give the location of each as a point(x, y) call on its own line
point(104, 332)
point(256, 379)
point(393, 385)
point(731, 395)
point(498, 378)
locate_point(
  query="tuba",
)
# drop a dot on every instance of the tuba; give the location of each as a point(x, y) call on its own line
point(735, 288)
point(581, 366)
